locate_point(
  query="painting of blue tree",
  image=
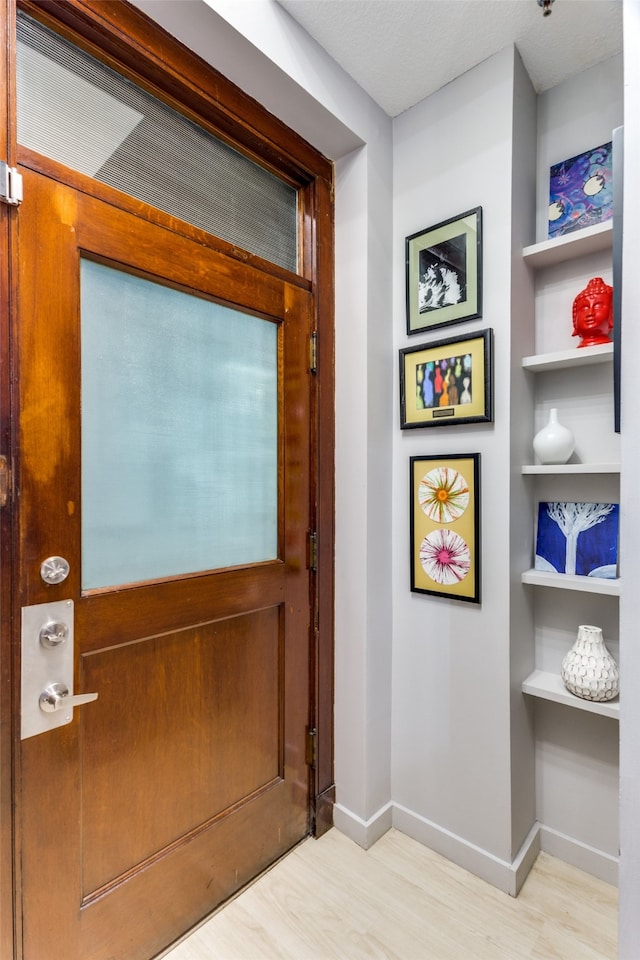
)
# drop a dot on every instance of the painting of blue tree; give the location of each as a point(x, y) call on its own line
point(578, 538)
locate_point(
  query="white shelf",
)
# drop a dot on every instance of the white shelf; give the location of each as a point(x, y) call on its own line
point(570, 468)
point(561, 359)
point(578, 244)
point(549, 686)
point(565, 581)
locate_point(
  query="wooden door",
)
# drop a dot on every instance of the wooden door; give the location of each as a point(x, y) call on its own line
point(188, 775)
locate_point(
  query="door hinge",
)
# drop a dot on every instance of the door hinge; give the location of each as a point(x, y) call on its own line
point(10, 185)
point(5, 481)
point(311, 747)
point(313, 353)
point(313, 550)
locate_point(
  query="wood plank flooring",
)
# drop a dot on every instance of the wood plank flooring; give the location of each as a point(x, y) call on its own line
point(331, 900)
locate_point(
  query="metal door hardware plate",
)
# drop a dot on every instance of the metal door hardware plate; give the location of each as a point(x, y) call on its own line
point(47, 658)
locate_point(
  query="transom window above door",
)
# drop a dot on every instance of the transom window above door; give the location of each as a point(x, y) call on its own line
point(77, 111)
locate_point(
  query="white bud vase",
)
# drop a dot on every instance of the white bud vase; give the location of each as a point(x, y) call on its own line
point(589, 670)
point(554, 443)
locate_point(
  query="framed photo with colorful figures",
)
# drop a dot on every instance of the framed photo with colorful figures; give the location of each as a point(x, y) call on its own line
point(447, 382)
point(445, 525)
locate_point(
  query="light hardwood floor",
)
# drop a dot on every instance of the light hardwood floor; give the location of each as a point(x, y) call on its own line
point(331, 900)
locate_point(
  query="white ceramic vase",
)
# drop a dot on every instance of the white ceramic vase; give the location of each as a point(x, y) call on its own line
point(554, 443)
point(589, 670)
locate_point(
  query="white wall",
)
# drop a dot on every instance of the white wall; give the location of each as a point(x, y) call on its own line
point(363, 497)
point(629, 937)
point(461, 726)
point(451, 747)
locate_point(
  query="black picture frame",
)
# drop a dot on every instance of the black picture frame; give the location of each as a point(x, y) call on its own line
point(444, 272)
point(444, 491)
point(447, 382)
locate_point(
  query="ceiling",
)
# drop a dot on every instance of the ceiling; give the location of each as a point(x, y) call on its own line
point(400, 51)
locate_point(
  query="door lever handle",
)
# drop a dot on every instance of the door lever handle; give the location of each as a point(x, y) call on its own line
point(56, 697)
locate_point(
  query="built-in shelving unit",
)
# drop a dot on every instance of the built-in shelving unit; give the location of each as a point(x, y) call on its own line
point(574, 741)
point(544, 684)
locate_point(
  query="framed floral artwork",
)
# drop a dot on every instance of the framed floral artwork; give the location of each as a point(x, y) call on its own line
point(444, 272)
point(447, 382)
point(445, 526)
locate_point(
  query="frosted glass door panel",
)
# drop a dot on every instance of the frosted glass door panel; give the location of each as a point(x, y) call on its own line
point(179, 432)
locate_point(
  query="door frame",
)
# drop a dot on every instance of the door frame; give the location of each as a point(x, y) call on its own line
point(128, 40)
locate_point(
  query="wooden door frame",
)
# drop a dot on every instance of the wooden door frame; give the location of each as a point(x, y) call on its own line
point(130, 41)
point(9, 873)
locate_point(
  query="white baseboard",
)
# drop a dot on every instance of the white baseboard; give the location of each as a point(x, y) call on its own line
point(580, 855)
point(363, 832)
point(506, 876)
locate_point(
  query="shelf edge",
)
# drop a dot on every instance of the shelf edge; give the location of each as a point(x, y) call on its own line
point(571, 246)
point(563, 359)
point(549, 686)
point(564, 581)
point(569, 469)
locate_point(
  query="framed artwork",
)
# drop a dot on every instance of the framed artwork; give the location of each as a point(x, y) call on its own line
point(580, 191)
point(445, 526)
point(444, 272)
point(578, 538)
point(447, 382)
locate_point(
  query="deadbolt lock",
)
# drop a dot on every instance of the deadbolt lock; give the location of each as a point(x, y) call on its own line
point(53, 633)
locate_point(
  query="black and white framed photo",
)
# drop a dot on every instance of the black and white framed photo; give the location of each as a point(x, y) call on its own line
point(444, 273)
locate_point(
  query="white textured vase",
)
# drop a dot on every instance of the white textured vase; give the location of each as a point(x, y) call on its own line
point(554, 443)
point(589, 670)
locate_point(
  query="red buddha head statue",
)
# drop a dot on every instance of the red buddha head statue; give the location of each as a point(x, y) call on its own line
point(593, 313)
